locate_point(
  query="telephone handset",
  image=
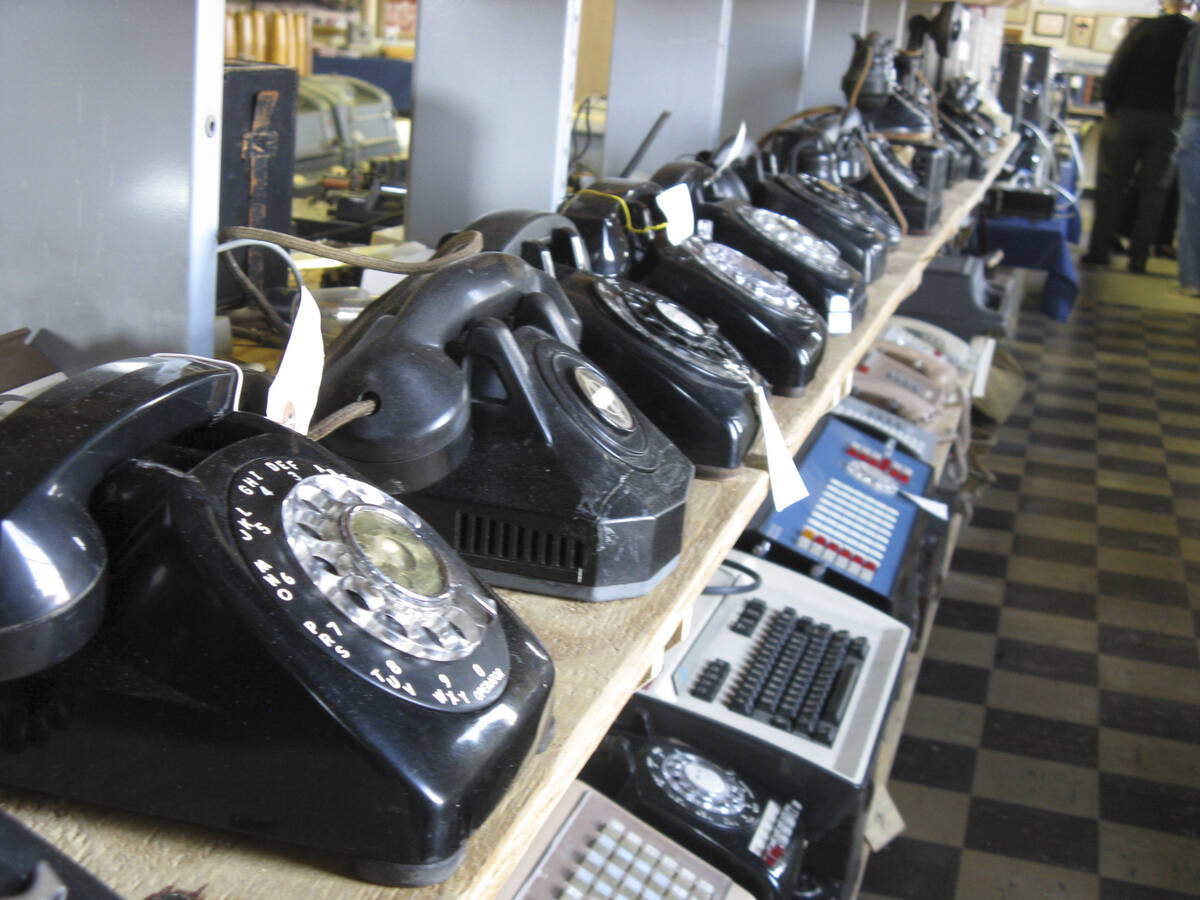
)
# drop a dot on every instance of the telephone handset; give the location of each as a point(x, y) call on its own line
point(939, 371)
point(890, 386)
point(812, 266)
point(270, 617)
point(716, 812)
point(677, 368)
point(939, 340)
point(873, 420)
point(536, 466)
point(779, 333)
point(410, 337)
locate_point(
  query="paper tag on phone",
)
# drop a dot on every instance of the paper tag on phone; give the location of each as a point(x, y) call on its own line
point(676, 204)
point(787, 487)
point(935, 508)
point(293, 394)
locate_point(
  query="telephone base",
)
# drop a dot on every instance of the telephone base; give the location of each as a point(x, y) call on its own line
point(379, 871)
point(782, 390)
point(591, 593)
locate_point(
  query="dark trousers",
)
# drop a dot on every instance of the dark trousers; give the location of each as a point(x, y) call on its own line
point(1130, 137)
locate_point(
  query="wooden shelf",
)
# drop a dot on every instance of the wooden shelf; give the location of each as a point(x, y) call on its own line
point(602, 652)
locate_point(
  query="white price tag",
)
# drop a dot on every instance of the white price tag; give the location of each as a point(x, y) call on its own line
point(293, 394)
point(787, 487)
point(676, 204)
point(935, 508)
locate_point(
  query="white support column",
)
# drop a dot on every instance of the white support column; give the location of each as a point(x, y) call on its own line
point(889, 18)
point(493, 85)
point(112, 175)
point(768, 46)
point(671, 56)
point(831, 49)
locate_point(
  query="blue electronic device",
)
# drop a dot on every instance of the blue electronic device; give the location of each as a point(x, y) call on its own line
point(859, 516)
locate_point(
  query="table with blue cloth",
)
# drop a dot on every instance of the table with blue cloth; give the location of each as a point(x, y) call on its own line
point(1034, 244)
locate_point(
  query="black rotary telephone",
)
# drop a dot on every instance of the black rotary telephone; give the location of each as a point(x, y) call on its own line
point(776, 329)
point(208, 617)
point(536, 466)
point(813, 266)
point(678, 368)
point(833, 212)
point(737, 826)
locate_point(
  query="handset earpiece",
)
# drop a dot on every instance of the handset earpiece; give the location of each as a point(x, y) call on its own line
point(58, 446)
point(420, 430)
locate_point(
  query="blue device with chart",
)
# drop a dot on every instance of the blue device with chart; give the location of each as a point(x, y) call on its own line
point(860, 512)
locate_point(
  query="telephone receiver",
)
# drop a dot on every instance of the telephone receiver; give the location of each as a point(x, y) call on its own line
point(262, 596)
point(677, 368)
point(938, 339)
point(404, 352)
point(939, 371)
point(53, 561)
point(875, 387)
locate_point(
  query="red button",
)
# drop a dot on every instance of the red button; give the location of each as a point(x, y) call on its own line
point(869, 566)
point(902, 476)
point(858, 560)
point(819, 540)
point(863, 369)
point(844, 552)
point(833, 547)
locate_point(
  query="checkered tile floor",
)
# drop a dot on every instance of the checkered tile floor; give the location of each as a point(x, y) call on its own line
point(1053, 747)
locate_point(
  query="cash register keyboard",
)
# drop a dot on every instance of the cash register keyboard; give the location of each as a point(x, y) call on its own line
point(602, 852)
point(799, 677)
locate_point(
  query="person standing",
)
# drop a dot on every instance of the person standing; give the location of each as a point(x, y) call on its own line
point(1138, 131)
point(1187, 105)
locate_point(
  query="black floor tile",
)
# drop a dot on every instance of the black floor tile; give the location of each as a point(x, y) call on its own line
point(968, 616)
point(1178, 406)
point(1018, 422)
point(1007, 481)
point(1136, 500)
point(937, 764)
point(1073, 474)
point(1147, 413)
point(1044, 661)
point(1124, 890)
point(1079, 392)
point(1188, 528)
point(980, 562)
point(910, 869)
point(1010, 448)
point(1041, 737)
point(996, 519)
point(1179, 458)
point(1122, 436)
point(1185, 490)
point(1150, 646)
point(1054, 601)
point(1062, 441)
point(1143, 588)
point(1141, 541)
point(1062, 414)
point(1051, 838)
point(1181, 431)
point(1129, 466)
point(1125, 387)
point(1059, 509)
point(1070, 552)
point(1151, 716)
point(955, 681)
point(1149, 804)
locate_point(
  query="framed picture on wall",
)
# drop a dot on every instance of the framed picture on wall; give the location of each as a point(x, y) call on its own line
point(1108, 32)
point(1050, 24)
point(1082, 29)
point(1017, 14)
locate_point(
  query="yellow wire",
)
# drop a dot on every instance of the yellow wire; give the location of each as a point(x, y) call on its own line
point(624, 206)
